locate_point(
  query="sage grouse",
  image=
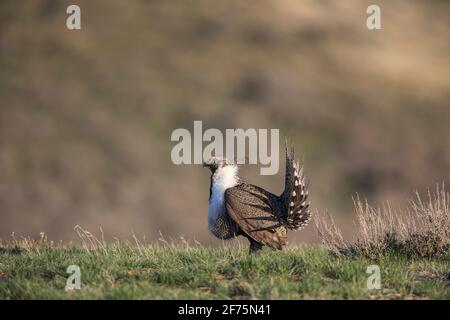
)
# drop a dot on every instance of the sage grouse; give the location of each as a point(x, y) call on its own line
point(238, 208)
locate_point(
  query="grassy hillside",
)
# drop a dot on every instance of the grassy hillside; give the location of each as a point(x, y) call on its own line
point(86, 116)
point(182, 272)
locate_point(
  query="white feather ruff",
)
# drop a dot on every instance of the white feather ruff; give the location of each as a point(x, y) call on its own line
point(224, 178)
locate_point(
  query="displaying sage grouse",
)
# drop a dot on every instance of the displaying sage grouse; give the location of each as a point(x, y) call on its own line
point(238, 208)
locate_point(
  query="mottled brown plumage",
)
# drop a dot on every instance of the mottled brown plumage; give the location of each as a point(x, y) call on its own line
point(239, 208)
point(256, 211)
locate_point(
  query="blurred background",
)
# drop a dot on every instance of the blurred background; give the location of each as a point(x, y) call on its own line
point(86, 116)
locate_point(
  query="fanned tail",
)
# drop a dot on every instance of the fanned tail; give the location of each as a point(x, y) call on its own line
point(295, 195)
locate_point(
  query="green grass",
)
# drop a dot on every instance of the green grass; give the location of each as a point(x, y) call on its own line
point(176, 272)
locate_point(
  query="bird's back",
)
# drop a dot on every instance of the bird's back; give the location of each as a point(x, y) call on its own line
point(257, 212)
point(256, 200)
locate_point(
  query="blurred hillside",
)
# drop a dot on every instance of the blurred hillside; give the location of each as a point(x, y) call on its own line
point(86, 116)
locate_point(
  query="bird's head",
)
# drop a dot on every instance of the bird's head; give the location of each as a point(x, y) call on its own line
point(216, 163)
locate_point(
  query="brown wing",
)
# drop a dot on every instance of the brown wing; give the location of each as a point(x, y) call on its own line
point(251, 208)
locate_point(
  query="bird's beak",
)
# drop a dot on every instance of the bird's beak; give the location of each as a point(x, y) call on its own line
point(210, 166)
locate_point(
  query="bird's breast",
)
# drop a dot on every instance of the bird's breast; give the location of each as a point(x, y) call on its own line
point(219, 223)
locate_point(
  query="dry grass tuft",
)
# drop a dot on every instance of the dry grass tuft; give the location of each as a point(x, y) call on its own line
point(331, 235)
point(423, 229)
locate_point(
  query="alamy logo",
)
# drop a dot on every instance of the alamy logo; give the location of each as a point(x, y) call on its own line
point(73, 21)
point(258, 149)
point(374, 280)
point(374, 20)
point(74, 280)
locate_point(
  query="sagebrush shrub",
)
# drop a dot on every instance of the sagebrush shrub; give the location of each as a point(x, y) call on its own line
point(422, 229)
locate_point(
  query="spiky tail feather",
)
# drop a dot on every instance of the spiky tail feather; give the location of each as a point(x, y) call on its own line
point(295, 195)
